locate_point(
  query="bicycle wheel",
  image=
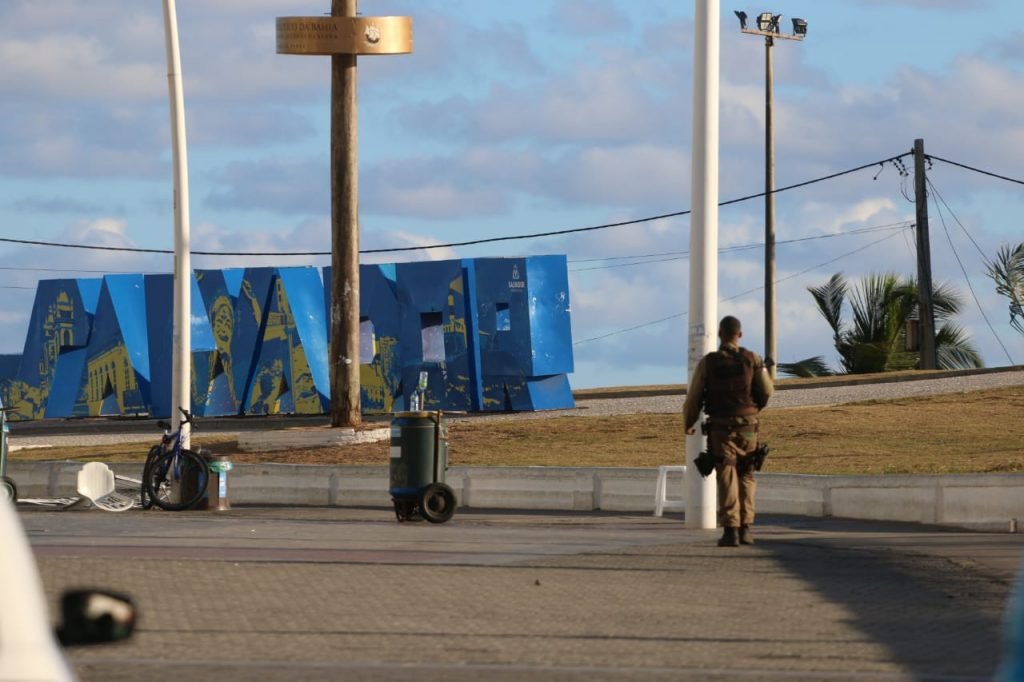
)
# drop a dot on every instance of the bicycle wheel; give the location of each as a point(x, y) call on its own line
point(155, 453)
point(185, 469)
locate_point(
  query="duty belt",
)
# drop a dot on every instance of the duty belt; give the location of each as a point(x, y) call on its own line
point(719, 425)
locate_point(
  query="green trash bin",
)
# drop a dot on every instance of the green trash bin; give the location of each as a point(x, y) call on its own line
point(8, 491)
point(419, 458)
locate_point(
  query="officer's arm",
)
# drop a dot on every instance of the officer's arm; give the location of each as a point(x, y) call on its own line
point(694, 396)
point(763, 387)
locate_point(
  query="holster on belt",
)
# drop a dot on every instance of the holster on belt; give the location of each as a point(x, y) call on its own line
point(755, 460)
point(705, 463)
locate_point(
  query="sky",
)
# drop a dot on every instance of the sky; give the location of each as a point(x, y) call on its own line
point(514, 119)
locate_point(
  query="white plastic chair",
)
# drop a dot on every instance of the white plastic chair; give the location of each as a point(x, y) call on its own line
point(661, 501)
point(96, 482)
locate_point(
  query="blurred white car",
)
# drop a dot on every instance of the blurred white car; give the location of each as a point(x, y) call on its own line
point(29, 649)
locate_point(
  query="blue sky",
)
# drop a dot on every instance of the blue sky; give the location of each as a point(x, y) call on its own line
point(515, 119)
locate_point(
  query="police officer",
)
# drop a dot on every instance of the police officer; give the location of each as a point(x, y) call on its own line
point(732, 386)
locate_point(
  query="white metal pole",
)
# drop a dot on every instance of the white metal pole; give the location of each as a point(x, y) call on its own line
point(701, 493)
point(181, 362)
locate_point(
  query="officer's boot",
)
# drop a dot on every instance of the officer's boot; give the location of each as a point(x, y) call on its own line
point(746, 537)
point(729, 538)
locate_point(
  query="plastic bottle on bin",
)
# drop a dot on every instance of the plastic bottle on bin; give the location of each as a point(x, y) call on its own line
point(417, 401)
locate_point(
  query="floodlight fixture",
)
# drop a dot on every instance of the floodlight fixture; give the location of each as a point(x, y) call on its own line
point(764, 21)
point(775, 23)
point(799, 27)
point(742, 16)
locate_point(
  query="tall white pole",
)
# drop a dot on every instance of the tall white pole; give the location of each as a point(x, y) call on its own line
point(701, 502)
point(181, 362)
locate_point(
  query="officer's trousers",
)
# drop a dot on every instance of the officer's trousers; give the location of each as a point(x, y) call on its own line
point(736, 485)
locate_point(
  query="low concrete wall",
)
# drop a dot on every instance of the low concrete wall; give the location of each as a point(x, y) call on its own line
point(990, 501)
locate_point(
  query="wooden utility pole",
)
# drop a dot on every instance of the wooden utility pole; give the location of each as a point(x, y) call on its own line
point(768, 27)
point(929, 357)
point(769, 212)
point(344, 347)
point(344, 36)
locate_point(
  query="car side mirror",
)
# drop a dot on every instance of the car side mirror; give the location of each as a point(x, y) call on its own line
point(94, 617)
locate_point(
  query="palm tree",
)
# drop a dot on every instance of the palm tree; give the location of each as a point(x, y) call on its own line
point(875, 339)
point(1007, 270)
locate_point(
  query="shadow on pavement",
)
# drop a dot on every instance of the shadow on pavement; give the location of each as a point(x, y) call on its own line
point(937, 617)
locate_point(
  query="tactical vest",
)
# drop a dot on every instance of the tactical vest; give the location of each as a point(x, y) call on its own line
point(728, 383)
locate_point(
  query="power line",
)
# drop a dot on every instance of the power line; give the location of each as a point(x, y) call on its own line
point(730, 298)
point(104, 272)
point(680, 255)
point(473, 242)
point(935, 190)
point(967, 279)
point(976, 170)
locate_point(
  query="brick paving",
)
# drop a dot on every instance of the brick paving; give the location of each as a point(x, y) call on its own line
point(268, 593)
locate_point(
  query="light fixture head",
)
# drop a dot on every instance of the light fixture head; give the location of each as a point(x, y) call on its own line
point(764, 21)
point(799, 27)
point(742, 16)
point(775, 23)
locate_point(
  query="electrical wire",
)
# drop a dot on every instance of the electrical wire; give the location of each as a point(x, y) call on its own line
point(739, 295)
point(935, 191)
point(976, 170)
point(949, 238)
point(473, 242)
point(681, 255)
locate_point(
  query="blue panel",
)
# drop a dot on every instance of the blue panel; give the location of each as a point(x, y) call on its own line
point(220, 304)
point(282, 380)
point(9, 367)
point(476, 386)
point(550, 326)
point(111, 372)
point(523, 331)
point(254, 299)
point(201, 332)
point(160, 321)
point(550, 393)
point(233, 280)
point(305, 296)
point(8, 375)
point(60, 321)
point(67, 384)
point(381, 378)
point(127, 293)
point(89, 289)
point(426, 290)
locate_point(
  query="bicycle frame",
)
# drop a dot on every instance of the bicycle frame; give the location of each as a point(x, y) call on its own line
point(166, 467)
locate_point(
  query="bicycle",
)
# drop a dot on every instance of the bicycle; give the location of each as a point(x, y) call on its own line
point(169, 466)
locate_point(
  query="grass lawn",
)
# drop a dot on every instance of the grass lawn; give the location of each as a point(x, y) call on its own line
point(979, 432)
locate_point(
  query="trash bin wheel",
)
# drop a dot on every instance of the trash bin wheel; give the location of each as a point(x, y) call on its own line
point(8, 491)
point(404, 509)
point(437, 503)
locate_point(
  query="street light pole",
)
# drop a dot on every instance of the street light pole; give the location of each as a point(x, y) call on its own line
point(768, 26)
point(181, 355)
point(769, 212)
point(700, 496)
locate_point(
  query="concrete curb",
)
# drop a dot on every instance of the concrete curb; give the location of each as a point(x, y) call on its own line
point(976, 501)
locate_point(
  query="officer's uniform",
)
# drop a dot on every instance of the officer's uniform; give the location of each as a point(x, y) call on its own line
point(732, 386)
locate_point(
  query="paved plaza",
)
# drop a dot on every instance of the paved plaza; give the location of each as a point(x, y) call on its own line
point(302, 593)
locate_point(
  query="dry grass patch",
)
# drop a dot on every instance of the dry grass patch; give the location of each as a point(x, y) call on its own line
point(977, 432)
